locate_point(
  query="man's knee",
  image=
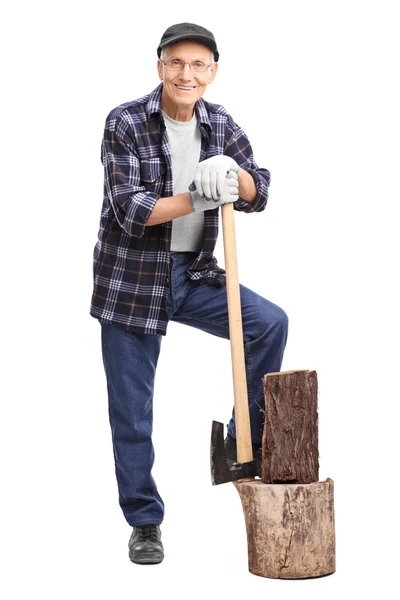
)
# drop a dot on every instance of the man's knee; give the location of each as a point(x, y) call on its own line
point(283, 319)
point(278, 322)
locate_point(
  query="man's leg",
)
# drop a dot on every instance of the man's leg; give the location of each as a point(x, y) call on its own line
point(130, 362)
point(265, 330)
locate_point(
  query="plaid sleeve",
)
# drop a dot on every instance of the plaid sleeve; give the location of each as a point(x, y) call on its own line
point(131, 202)
point(238, 147)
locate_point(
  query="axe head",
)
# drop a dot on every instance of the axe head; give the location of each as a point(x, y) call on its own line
point(223, 469)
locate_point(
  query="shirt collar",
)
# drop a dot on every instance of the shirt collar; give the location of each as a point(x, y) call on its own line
point(154, 106)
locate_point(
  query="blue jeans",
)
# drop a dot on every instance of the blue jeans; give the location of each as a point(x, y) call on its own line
point(130, 361)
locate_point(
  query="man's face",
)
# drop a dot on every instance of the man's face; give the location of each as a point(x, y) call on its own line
point(185, 87)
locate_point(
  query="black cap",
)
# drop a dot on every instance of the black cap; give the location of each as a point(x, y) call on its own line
point(188, 31)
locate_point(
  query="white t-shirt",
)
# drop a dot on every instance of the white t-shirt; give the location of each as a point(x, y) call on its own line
point(184, 140)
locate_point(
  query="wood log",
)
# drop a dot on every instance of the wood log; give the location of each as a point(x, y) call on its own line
point(290, 435)
point(290, 528)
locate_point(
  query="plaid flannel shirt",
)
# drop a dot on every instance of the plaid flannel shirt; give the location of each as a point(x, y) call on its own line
point(131, 265)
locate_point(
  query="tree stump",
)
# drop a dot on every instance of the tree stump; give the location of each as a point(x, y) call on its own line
point(290, 528)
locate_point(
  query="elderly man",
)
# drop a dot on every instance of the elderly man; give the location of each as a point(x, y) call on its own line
point(170, 160)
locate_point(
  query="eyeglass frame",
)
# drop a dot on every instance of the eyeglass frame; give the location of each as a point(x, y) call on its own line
point(184, 65)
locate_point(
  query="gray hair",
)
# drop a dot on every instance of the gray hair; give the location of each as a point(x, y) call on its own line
point(162, 57)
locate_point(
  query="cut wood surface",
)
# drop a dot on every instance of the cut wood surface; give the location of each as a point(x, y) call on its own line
point(290, 436)
point(290, 528)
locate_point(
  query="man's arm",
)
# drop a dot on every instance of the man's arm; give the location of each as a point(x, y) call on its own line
point(173, 207)
point(253, 195)
point(247, 187)
point(131, 202)
point(170, 208)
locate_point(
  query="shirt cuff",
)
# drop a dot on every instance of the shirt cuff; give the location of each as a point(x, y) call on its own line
point(262, 195)
point(140, 209)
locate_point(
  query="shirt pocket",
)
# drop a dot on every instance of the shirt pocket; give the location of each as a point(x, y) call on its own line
point(153, 172)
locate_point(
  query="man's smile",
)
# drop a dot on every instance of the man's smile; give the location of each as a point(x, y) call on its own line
point(185, 88)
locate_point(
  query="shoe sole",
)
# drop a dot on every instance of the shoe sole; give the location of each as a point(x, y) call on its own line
point(150, 559)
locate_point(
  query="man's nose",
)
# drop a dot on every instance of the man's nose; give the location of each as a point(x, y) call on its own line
point(186, 72)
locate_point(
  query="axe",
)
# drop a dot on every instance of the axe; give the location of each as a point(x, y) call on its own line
point(246, 468)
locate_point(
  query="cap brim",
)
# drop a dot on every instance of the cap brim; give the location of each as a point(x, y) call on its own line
point(199, 38)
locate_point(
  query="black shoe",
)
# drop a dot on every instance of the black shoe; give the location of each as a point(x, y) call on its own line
point(145, 546)
point(231, 451)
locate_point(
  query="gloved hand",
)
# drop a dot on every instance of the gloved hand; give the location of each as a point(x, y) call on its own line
point(230, 193)
point(210, 174)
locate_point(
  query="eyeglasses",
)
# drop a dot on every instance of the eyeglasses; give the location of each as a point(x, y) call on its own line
point(178, 65)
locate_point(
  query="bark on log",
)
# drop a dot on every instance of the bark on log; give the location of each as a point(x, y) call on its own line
point(290, 528)
point(290, 436)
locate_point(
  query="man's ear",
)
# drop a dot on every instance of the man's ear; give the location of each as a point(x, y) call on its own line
point(160, 69)
point(213, 72)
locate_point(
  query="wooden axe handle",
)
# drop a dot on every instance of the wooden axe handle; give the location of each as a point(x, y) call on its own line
point(242, 418)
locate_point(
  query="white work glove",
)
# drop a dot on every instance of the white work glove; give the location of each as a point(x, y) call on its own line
point(210, 174)
point(230, 193)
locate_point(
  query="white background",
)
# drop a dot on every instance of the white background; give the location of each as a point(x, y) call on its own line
point(314, 84)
